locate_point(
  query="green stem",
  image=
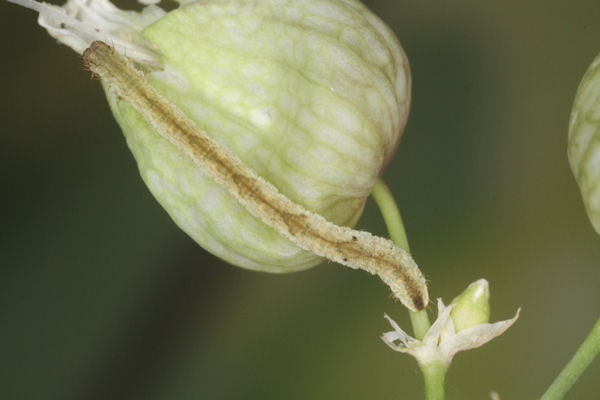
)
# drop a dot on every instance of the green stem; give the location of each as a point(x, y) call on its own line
point(420, 323)
point(391, 214)
point(393, 220)
point(575, 368)
point(434, 374)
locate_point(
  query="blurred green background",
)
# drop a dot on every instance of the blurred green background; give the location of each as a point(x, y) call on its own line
point(103, 297)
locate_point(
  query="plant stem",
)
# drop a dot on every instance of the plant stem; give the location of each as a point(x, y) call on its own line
point(575, 368)
point(420, 323)
point(393, 220)
point(391, 214)
point(434, 374)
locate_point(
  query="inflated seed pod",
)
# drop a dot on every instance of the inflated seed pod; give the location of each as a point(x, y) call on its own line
point(584, 141)
point(311, 95)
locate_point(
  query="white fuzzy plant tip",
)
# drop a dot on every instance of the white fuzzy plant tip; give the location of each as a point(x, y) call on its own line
point(443, 340)
point(260, 126)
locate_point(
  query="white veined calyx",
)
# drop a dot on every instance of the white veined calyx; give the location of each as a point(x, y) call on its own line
point(310, 231)
point(584, 141)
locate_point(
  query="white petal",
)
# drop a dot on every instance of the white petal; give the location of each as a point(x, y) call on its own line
point(397, 334)
point(80, 22)
point(442, 327)
point(475, 336)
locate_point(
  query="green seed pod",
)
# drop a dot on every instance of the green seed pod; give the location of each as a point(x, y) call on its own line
point(312, 95)
point(472, 306)
point(584, 141)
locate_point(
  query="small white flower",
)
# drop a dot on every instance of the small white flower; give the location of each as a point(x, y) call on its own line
point(442, 342)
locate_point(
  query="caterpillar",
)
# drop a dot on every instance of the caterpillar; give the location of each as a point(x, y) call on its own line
point(349, 247)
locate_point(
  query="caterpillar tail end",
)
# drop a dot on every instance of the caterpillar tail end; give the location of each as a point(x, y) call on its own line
point(408, 289)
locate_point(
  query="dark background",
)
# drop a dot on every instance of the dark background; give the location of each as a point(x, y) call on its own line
point(103, 297)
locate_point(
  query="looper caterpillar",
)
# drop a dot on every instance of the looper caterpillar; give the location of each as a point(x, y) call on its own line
point(310, 231)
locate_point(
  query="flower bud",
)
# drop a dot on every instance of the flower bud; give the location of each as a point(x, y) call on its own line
point(584, 141)
point(471, 307)
point(312, 95)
